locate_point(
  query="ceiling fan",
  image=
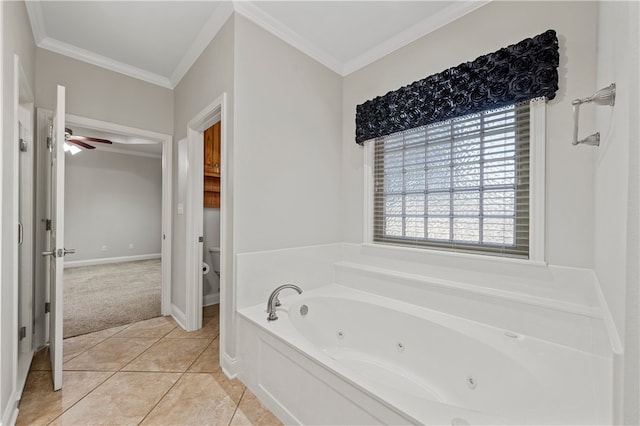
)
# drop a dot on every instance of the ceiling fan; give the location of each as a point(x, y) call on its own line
point(82, 140)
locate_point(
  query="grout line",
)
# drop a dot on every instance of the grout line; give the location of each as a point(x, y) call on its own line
point(237, 406)
point(162, 397)
point(86, 350)
point(140, 354)
point(113, 373)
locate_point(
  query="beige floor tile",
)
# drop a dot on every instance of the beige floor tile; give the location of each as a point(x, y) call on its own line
point(209, 330)
point(110, 355)
point(124, 399)
point(175, 355)
point(234, 388)
point(74, 346)
point(106, 333)
point(41, 360)
point(154, 327)
point(209, 360)
point(40, 404)
point(251, 412)
point(196, 399)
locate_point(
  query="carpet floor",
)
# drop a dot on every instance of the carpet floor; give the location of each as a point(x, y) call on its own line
point(104, 296)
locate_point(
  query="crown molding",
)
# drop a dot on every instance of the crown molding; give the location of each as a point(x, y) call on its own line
point(34, 11)
point(413, 33)
point(210, 29)
point(103, 62)
point(277, 28)
point(252, 12)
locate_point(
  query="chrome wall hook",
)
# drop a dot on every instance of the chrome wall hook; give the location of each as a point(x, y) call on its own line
point(606, 96)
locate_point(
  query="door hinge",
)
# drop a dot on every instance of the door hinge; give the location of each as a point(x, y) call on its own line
point(200, 239)
point(47, 307)
point(47, 224)
point(23, 332)
point(49, 144)
point(23, 145)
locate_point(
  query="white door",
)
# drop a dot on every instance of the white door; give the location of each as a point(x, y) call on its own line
point(57, 251)
point(25, 246)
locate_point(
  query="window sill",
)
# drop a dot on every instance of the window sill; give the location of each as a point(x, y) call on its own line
point(450, 255)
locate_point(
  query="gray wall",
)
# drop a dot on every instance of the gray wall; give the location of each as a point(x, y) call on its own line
point(287, 149)
point(98, 93)
point(287, 145)
point(569, 169)
point(16, 39)
point(112, 200)
point(209, 77)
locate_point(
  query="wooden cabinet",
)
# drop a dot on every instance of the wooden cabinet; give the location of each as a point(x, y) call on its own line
point(212, 167)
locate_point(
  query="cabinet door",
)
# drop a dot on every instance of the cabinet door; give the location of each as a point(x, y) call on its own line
point(212, 166)
point(208, 152)
point(212, 150)
point(216, 148)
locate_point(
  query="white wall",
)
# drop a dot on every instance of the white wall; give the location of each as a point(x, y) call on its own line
point(569, 169)
point(616, 253)
point(16, 39)
point(112, 200)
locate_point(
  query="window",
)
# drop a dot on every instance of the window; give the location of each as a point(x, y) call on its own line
point(460, 184)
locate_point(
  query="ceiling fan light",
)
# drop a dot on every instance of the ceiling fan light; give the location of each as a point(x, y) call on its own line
point(71, 148)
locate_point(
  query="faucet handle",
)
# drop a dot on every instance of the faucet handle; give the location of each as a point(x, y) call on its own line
point(276, 301)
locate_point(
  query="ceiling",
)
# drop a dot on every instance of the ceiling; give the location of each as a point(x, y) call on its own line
point(158, 41)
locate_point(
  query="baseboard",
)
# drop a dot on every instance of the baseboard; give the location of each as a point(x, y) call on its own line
point(107, 260)
point(211, 299)
point(229, 366)
point(179, 316)
point(23, 371)
point(10, 410)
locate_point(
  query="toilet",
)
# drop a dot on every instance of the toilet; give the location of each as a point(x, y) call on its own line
point(211, 281)
point(215, 260)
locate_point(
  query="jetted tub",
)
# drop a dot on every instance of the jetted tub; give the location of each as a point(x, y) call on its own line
point(435, 368)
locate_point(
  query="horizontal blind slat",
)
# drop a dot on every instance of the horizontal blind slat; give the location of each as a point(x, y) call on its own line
point(459, 184)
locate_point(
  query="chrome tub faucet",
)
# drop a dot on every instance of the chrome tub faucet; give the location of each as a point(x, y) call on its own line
point(274, 301)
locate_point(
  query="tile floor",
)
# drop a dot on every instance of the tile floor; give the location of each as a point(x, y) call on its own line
point(151, 373)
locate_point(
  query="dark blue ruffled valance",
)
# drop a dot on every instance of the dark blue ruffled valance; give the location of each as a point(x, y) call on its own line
point(520, 72)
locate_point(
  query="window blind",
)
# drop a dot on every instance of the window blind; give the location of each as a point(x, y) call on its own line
point(458, 184)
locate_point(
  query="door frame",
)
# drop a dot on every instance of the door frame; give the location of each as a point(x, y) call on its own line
point(194, 207)
point(43, 117)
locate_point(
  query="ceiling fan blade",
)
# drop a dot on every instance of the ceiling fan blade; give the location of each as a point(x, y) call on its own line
point(88, 139)
point(80, 143)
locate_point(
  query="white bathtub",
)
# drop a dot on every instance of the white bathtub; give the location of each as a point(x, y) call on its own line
point(433, 368)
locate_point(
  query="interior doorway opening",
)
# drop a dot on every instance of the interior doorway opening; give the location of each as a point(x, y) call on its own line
point(113, 221)
point(205, 205)
point(80, 125)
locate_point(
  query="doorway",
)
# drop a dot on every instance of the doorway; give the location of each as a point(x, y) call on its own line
point(211, 215)
point(165, 141)
point(113, 205)
point(194, 203)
